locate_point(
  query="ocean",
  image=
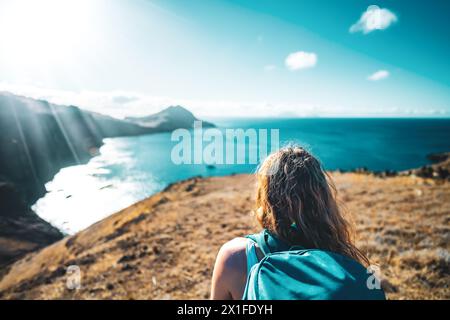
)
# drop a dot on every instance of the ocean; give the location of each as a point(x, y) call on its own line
point(129, 169)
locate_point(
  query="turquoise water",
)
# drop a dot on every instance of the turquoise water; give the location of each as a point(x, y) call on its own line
point(130, 169)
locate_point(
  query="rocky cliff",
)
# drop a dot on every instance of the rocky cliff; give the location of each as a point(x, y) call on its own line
point(37, 139)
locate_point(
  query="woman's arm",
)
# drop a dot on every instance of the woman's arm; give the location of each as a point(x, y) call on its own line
point(229, 275)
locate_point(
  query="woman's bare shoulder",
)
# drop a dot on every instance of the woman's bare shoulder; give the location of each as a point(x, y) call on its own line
point(232, 253)
point(230, 270)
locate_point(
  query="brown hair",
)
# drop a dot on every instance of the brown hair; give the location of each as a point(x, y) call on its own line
point(296, 200)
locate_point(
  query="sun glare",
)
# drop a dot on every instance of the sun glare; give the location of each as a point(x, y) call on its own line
point(37, 33)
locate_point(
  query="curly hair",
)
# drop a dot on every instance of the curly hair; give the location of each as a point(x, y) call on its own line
point(296, 200)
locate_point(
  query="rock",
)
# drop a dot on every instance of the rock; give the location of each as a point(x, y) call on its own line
point(127, 258)
point(444, 256)
point(442, 173)
point(21, 230)
point(438, 157)
point(361, 170)
point(388, 286)
point(128, 267)
point(439, 170)
point(156, 250)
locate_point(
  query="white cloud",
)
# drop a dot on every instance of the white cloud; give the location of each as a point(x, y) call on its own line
point(374, 18)
point(301, 60)
point(379, 75)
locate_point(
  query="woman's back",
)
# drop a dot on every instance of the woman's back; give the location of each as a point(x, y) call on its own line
point(296, 204)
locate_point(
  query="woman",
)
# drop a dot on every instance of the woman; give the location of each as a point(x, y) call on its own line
point(295, 205)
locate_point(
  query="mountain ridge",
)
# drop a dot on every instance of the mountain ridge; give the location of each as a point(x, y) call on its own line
point(171, 118)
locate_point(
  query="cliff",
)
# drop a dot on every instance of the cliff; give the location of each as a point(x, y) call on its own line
point(164, 247)
point(21, 230)
point(37, 139)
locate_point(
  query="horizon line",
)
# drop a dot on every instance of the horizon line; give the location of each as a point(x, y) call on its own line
point(281, 117)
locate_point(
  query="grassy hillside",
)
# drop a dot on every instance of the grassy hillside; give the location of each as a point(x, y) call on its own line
point(164, 247)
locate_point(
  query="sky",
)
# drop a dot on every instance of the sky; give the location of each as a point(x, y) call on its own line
point(266, 58)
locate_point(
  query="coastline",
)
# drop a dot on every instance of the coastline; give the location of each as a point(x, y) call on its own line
point(156, 248)
point(68, 221)
point(438, 169)
point(37, 139)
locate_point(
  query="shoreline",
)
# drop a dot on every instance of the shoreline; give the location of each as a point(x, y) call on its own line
point(438, 169)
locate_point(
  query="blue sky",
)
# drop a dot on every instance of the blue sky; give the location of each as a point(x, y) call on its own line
point(231, 58)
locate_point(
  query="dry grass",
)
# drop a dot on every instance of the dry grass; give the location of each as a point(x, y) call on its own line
point(164, 247)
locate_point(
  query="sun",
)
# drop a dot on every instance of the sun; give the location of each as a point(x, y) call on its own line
point(41, 33)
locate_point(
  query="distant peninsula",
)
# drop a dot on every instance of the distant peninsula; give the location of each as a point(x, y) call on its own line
point(169, 119)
